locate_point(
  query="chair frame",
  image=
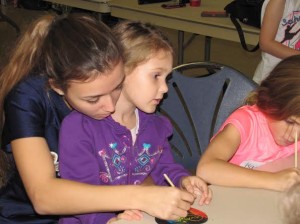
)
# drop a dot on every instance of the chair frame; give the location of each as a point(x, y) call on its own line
point(196, 125)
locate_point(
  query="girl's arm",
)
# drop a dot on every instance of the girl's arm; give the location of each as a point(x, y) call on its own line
point(51, 195)
point(271, 21)
point(215, 168)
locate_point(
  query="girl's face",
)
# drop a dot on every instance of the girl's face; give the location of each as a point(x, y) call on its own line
point(284, 131)
point(97, 97)
point(145, 86)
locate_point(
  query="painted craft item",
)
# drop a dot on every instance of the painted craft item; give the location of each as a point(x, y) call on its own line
point(194, 216)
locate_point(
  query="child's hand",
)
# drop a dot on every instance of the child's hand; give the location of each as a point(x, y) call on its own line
point(129, 215)
point(197, 186)
point(169, 203)
point(285, 179)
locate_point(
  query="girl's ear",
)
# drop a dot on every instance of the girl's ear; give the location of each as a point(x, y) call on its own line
point(57, 89)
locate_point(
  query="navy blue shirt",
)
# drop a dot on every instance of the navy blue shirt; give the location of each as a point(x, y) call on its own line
point(32, 109)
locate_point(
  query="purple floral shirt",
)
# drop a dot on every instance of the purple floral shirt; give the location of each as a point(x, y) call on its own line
point(101, 152)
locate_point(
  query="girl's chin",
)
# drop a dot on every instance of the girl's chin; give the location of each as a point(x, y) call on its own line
point(100, 117)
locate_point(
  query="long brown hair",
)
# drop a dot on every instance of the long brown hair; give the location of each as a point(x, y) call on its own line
point(63, 48)
point(278, 96)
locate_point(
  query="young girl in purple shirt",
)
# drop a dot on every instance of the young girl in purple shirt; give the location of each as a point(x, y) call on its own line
point(131, 144)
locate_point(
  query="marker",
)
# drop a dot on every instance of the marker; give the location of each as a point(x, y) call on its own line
point(296, 149)
point(169, 180)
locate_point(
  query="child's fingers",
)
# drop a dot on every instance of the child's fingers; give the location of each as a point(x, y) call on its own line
point(131, 215)
point(125, 217)
point(198, 188)
point(205, 198)
point(189, 188)
point(202, 187)
point(209, 196)
point(136, 212)
point(187, 184)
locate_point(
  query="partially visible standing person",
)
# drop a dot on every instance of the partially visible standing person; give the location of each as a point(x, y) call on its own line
point(279, 36)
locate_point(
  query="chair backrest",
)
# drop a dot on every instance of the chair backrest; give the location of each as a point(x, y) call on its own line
point(197, 105)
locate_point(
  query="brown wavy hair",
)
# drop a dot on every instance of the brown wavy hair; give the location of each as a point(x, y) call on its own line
point(62, 48)
point(278, 96)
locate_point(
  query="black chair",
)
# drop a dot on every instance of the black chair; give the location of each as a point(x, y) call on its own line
point(197, 104)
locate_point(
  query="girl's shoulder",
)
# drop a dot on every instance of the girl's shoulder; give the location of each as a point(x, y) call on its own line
point(29, 91)
point(33, 81)
point(246, 117)
point(75, 118)
point(246, 111)
point(33, 86)
point(34, 95)
point(157, 121)
point(154, 117)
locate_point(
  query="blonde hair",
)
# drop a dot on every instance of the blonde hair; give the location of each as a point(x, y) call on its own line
point(278, 96)
point(140, 41)
point(291, 204)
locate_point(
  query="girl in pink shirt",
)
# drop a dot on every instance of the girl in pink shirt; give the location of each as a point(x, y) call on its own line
point(259, 132)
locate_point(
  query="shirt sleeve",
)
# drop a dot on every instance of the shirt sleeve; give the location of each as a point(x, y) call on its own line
point(77, 159)
point(242, 119)
point(87, 219)
point(166, 163)
point(76, 156)
point(24, 113)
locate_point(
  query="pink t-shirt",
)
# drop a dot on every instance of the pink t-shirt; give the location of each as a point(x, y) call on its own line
point(257, 144)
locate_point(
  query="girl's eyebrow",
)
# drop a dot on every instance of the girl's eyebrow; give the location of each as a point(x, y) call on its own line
point(97, 96)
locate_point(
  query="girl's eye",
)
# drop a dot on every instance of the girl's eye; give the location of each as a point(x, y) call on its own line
point(119, 86)
point(289, 121)
point(92, 101)
point(156, 75)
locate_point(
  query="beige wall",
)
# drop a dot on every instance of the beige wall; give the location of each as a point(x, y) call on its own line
point(224, 52)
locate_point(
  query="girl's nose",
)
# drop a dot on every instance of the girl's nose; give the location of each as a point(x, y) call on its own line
point(164, 87)
point(109, 104)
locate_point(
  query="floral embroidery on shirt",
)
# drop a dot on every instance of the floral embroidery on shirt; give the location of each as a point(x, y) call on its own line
point(117, 165)
point(144, 158)
point(116, 161)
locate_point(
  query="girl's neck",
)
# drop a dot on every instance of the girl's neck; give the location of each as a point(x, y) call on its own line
point(125, 114)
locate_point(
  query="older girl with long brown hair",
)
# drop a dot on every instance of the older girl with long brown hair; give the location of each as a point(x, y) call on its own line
point(60, 64)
